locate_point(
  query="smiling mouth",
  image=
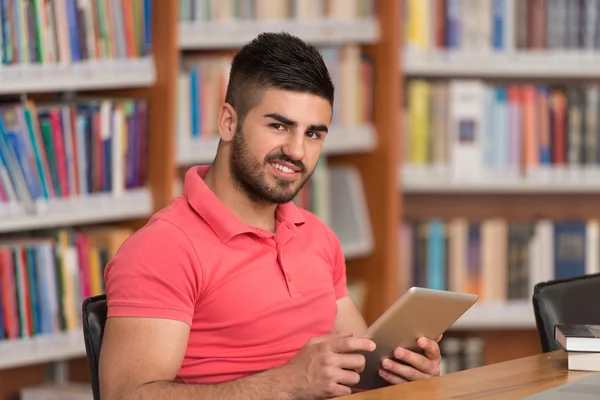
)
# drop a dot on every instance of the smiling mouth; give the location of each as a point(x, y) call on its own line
point(284, 171)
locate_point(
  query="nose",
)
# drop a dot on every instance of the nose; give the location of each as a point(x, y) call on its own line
point(294, 146)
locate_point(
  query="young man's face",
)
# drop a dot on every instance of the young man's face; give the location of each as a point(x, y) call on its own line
point(275, 151)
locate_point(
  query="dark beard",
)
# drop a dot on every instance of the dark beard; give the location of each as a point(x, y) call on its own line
point(247, 174)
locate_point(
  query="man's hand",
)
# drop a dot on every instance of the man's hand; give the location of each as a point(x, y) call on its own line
point(325, 367)
point(420, 366)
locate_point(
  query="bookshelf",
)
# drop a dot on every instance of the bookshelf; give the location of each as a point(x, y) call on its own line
point(514, 315)
point(42, 349)
point(231, 35)
point(97, 208)
point(522, 72)
point(62, 76)
point(430, 181)
point(116, 74)
point(558, 64)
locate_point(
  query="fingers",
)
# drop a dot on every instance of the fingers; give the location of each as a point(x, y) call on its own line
point(354, 362)
point(351, 344)
point(329, 336)
point(347, 378)
point(339, 391)
point(428, 363)
point(432, 349)
point(405, 372)
point(390, 377)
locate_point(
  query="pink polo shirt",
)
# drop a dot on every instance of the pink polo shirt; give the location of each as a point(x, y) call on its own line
point(252, 298)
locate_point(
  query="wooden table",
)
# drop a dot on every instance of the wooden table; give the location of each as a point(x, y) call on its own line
point(507, 380)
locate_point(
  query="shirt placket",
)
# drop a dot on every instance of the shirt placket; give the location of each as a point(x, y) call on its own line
point(284, 236)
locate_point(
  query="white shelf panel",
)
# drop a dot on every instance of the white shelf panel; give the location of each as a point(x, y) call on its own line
point(218, 35)
point(534, 64)
point(339, 141)
point(428, 181)
point(510, 315)
point(360, 139)
point(84, 76)
point(357, 249)
point(95, 208)
point(196, 151)
point(41, 349)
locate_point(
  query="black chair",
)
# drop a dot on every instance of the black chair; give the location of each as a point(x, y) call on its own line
point(94, 318)
point(565, 301)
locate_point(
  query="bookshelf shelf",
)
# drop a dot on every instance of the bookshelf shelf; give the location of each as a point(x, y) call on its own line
point(358, 139)
point(516, 314)
point(41, 349)
point(357, 249)
point(530, 64)
point(427, 181)
point(84, 76)
point(96, 208)
point(220, 35)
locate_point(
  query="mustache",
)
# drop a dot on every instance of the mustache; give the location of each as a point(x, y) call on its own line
point(283, 157)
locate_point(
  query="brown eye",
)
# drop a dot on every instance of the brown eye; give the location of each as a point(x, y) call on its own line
point(277, 126)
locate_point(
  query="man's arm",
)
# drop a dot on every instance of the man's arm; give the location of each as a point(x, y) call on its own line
point(141, 357)
point(349, 318)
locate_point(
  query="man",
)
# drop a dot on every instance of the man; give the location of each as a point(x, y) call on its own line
point(232, 292)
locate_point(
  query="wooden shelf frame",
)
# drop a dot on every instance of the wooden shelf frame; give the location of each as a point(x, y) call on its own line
point(379, 169)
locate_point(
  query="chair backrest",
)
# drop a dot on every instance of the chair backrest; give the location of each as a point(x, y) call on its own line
point(94, 318)
point(565, 301)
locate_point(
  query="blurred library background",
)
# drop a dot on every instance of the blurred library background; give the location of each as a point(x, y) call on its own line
point(464, 154)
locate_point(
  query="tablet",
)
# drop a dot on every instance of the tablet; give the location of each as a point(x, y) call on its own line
point(419, 312)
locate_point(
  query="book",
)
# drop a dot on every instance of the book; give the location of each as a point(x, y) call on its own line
point(578, 337)
point(583, 361)
point(500, 259)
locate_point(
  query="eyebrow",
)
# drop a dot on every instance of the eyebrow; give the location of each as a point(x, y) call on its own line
point(287, 121)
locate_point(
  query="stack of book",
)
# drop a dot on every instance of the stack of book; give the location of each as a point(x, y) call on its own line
point(582, 342)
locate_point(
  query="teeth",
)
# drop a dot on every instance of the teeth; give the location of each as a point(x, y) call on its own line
point(283, 168)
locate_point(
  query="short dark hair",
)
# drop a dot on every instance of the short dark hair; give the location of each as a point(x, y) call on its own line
point(276, 61)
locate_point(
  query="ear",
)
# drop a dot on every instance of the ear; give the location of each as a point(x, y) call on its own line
point(227, 123)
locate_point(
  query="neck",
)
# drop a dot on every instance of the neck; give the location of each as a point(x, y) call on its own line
point(218, 180)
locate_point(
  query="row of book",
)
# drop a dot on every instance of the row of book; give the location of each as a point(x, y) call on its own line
point(461, 353)
point(66, 32)
point(497, 259)
point(260, 10)
point(202, 85)
point(470, 127)
point(45, 276)
point(501, 25)
point(70, 149)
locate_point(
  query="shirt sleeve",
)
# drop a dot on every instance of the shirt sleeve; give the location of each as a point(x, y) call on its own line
point(338, 266)
point(155, 274)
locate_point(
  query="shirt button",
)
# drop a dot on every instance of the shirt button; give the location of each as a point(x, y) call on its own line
point(289, 278)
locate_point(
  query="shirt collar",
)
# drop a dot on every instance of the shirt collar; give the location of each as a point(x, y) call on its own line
point(222, 221)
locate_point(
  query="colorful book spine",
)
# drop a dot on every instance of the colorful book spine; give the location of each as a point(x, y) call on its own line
point(203, 83)
point(45, 277)
point(71, 149)
point(66, 32)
